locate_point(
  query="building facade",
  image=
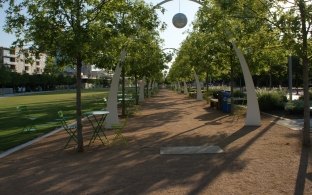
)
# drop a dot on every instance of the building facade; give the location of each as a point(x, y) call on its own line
point(22, 62)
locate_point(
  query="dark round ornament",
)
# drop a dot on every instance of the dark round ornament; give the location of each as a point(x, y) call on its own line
point(179, 20)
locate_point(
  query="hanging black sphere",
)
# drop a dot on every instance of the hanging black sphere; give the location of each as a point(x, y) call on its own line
point(179, 20)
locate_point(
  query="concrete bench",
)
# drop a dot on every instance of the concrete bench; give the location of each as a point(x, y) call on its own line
point(239, 100)
point(214, 103)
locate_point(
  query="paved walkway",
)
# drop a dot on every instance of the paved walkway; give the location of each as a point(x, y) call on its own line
point(256, 160)
point(294, 124)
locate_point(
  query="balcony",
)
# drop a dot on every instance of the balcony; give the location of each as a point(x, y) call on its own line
point(10, 63)
point(9, 54)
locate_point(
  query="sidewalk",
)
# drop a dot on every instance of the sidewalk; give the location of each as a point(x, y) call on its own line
point(255, 160)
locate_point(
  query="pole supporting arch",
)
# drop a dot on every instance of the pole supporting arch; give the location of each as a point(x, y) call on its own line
point(253, 112)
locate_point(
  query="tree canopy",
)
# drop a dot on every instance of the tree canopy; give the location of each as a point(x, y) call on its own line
point(77, 31)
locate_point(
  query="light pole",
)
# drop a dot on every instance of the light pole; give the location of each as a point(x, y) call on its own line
point(253, 111)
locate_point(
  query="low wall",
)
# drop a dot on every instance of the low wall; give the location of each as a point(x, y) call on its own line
point(6, 91)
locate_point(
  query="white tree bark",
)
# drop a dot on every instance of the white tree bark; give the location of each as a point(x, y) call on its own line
point(199, 93)
point(112, 117)
point(142, 83)
point(149, 88)
point(185, 91)
point(179, 87)
point(253, 111)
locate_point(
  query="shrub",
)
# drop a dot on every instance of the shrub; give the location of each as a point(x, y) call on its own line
point(294, 107)
point(210, 92)
point(238, 93)
point(271, 100)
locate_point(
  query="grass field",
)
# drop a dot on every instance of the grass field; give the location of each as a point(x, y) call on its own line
point(44, 108)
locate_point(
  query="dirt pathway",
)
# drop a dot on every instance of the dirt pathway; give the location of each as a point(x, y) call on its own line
point(257, 160)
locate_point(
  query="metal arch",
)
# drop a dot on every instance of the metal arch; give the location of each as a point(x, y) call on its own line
point(176, 50)
point(166, 1)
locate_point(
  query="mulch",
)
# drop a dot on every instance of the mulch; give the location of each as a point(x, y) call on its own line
point(267, 159)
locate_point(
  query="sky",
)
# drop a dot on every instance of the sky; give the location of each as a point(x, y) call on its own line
point(172, 36)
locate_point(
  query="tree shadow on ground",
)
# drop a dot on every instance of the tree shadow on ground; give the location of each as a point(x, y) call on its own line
point(135, 169)
point(302, 175)
point(138, 168)
point(210, 176)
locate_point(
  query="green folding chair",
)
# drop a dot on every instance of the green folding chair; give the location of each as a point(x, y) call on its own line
point(24, 112)
point(70, 129)
point(118, 128)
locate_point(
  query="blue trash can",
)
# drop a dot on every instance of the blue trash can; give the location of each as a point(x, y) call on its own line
point(226, 102)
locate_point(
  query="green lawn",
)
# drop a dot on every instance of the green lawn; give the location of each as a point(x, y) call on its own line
point(44, 106)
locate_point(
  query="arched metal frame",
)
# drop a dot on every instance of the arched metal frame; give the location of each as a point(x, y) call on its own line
point(166, 1)
point(253, 112)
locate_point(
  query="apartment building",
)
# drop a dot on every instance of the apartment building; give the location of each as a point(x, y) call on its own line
point(19, 62)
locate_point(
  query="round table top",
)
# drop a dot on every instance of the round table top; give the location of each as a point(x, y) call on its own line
point(98, 112)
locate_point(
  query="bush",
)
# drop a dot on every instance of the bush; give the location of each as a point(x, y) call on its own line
point(271, 100)
point(294, 107)
point(238, 93)
point(209, 92)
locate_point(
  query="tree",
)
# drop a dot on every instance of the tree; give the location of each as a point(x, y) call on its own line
point(131, 20)
point(78, 31)
point(293, 19)
point(51, 67)
point(139, 55)
point(5, 76)
point(62, 28)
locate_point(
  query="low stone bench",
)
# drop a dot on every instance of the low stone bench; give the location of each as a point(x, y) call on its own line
point(239, 100)
point(214, 103)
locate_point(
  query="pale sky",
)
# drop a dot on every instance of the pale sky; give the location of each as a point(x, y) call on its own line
point(172, 36)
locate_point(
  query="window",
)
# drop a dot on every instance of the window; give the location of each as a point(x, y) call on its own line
point(38, 63)
point(38, 70)
point(26, 54)
point(12, 67)
point(12, 59)
point(26, 68)
point(12, 51)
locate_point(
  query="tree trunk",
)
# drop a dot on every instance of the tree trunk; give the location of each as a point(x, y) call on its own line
point(207, 78)
point(306, 126)
point(136, 89)
point(78, 104)
point(232, 83)
point(123, 103)
point(147, 88)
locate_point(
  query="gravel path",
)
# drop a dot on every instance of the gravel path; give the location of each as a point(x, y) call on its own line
point(256, 160)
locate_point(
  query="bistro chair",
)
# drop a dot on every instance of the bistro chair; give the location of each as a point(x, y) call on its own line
point(70, 129)
point(29, 119)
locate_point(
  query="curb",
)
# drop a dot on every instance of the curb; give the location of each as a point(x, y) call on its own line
point(19, 147)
